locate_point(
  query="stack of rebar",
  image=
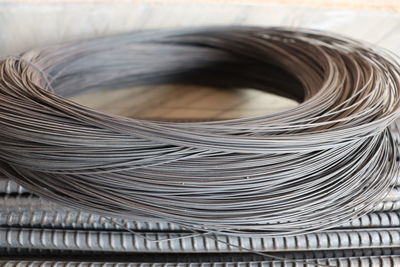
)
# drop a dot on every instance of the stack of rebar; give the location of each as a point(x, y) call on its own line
point(36, 232)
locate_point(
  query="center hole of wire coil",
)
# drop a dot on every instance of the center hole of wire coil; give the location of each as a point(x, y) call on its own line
point(185, 102)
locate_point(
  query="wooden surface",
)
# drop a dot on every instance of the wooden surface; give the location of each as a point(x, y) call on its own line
point(185, 103)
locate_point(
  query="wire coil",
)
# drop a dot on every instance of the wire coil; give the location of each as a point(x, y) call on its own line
point(315, 166)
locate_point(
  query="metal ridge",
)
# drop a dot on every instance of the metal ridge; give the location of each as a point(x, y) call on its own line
point(187, 243)
point(382, 261)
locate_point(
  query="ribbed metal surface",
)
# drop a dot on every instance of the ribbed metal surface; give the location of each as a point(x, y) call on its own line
point(393, 195)
point(10, 187)
point(191, 257)
point(387, 206)
point(71, 219)
point(84, 233)
point(14, 253)
point(27, 203)
point(382, 261)
point(31, 211)
point(124, 241)
point(376, 219)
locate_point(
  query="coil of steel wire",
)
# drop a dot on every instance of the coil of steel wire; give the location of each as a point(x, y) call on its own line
point(323, 163)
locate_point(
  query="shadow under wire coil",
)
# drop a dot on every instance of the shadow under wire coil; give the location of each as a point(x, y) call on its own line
point(327, 161)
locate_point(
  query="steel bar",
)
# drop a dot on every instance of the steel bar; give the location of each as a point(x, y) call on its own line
point(10, 187)
point(28, 211)
point(382, 261)
point(187, 243)
point(72, 219)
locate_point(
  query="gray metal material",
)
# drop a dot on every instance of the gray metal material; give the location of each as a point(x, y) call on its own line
point(72, 219)
point(187, 243)
point(393, 195)
point(388, 206)
point(326, 161)
point(28, 211)
point(382, 261)
point(376, 219)
point(27, 203)
point(10, 187)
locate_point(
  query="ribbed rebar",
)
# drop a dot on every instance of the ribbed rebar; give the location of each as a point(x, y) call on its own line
point(175, 243)
point(71, 219)
point(8, 186)
point(387, 206)
point(381, 261)
point(29, 211)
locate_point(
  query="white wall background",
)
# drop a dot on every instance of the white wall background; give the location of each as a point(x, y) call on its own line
point(24, 25)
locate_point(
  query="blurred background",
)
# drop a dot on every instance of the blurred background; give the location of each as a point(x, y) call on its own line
point(29, 24)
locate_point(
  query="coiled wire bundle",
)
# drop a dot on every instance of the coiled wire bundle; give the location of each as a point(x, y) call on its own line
point(315, 166)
